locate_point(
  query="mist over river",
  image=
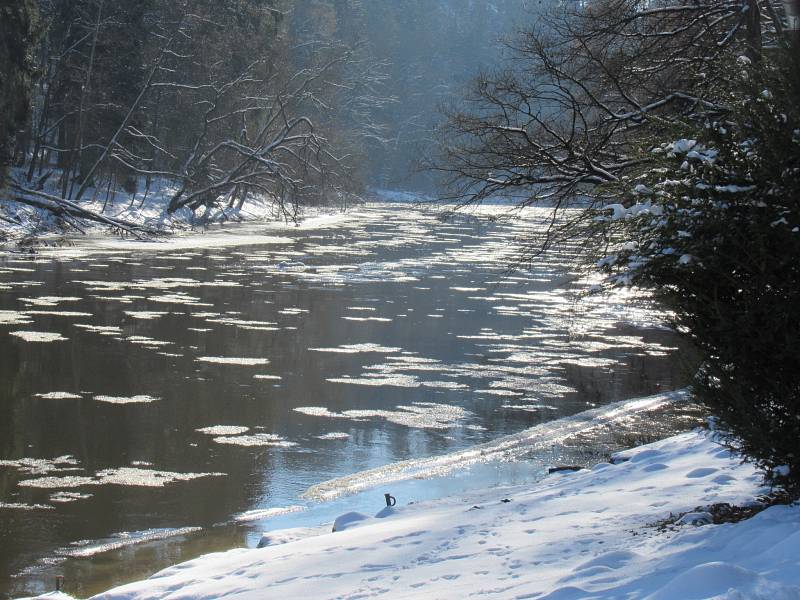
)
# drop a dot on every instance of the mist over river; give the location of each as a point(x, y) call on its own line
point(162, 400)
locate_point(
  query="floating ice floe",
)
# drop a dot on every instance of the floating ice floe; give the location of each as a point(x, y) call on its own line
point(39, 336)
point(368, 319)
point(261, 514)
point(124, 476)
point(223, 430)
point(65, 497)
point(406, 381)
point(229, 360)
point(257, 439)
point(109, 330)
point(419, 415)
point(333, 435)
point(49, 300)
point(59, 396)
point(42, 466)
point(357, 349)
point(139, 399)
point(145, 315)
point(21, 506)
point(13, 317)
point(58, 313)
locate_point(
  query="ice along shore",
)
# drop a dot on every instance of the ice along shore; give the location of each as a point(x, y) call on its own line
point(642, 526)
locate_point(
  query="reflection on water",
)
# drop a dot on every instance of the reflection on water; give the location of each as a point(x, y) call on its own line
point(164, 391)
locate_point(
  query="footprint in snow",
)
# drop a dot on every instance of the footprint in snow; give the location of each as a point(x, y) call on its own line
point(655, 467)
point(701, 472)
point(723, 479)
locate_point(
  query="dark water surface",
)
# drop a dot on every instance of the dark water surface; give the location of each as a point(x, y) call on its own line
point(185, 385)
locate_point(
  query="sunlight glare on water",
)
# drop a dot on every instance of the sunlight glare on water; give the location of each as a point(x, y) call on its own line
point(152, 396)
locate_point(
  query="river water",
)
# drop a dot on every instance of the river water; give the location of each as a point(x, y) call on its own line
point(160, 401)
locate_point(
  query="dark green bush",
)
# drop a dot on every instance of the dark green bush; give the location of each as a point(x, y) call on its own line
point(715, 229)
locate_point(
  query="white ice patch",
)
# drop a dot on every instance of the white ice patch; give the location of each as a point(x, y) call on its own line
point(257, 439)
point(368, 319)
point(59, 396)
point(419, 415)
point(88, 549)
point(333, 435)
point(145, 315)
point(223, 430)
point(42, 466)
point(124, 476)
point(20, 506)
point(109, 330)
point(49, 300)
point(59, 313)
point(405, 381)
point(358, 349)
point(261, 514)
point(39, 336)
point(229, 360)
point(140, 399)
point(65, 497)
point(13, 317)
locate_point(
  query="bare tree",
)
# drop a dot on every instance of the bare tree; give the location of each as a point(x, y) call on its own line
point(585, 92)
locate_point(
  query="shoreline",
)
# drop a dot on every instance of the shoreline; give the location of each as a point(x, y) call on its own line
point(641, 526)
point(655, 522)
point(23, 226)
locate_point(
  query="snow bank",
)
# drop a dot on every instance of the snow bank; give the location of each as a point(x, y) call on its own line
point(18, 220)
point(590, 534)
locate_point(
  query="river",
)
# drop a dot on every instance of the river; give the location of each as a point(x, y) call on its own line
point(163, 400)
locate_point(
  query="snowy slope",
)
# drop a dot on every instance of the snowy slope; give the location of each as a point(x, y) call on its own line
point(580, 535)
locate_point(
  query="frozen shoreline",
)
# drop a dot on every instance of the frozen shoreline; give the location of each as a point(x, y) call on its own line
point(614, 531)
point(22, 223)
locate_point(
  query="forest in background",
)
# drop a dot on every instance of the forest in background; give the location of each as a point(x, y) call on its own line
point(305, 102)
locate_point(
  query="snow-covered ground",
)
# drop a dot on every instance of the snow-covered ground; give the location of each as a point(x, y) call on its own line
point(18, 221)
point(610, 532)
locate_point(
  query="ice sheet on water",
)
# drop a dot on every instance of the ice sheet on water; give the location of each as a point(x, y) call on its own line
point(230, 360)
point(39, 336)
point(22, 506)
point(65, 497)
point(49, 300)
point(404, 381)
point(358, 348)
point(504, 448)
point(149, 342)
point(256, 439)
point(13, 317)
point(179, 298)
point(333, 435)
point(42, 466)
point(145, 315)
point(261, 514)
point(139, 399)
point(109, 330)
point(89, 548)
point(247, 325)
point(419, 415)
point(58, 313)
point(59, 396)
point(123, 476)
point(223, 430)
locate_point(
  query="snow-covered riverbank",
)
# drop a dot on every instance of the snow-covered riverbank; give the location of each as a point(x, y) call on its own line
point(626, 530)
point(19, 221)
